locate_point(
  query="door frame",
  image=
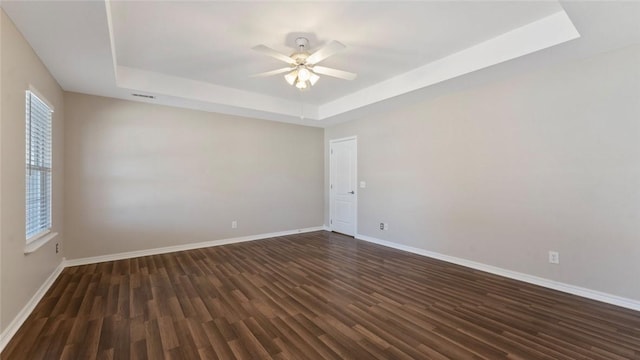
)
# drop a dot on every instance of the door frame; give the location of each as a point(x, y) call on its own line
point(355, 217)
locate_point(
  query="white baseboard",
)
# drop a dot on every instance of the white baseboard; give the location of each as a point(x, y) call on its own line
point(551, 284)
point(170, 249)
point(13, 327)
point(15, 324)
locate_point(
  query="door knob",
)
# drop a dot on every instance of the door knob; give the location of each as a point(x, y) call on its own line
point(352, 192)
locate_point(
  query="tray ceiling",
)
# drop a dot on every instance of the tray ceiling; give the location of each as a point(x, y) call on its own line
point(198, 54)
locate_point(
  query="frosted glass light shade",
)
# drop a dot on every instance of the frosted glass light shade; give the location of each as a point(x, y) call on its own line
point(313, 79)
point(304, 74)
point(291, 77)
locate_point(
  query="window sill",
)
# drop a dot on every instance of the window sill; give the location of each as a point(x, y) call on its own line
point(39, 242)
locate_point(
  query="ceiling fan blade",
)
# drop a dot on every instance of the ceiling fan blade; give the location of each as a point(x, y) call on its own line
point(324, 52)
point(274, 54)
point(273, 72)
point(334, 72)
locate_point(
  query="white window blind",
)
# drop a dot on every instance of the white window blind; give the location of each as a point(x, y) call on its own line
point(38, 177)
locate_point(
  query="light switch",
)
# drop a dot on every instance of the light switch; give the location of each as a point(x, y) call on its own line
point(363, 184)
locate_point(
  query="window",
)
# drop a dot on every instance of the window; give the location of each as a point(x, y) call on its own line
point(38, 167)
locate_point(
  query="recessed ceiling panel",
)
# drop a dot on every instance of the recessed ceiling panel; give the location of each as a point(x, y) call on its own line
point(211, 41)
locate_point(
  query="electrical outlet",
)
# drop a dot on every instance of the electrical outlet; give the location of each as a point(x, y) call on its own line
point(384, 226)
point(234, 224)
point(381, 226)
point(554, 257)
point(57, 247)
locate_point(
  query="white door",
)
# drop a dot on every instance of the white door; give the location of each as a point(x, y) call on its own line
point(342, 187)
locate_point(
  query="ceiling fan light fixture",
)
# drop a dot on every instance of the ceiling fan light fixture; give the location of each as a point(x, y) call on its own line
point(301, 84)
point(304, 74)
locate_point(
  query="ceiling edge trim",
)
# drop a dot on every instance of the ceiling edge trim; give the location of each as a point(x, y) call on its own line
point(112, 44)
point(157, 83)
point(541, 34)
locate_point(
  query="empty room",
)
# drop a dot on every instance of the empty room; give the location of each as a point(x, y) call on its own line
point(319, 180)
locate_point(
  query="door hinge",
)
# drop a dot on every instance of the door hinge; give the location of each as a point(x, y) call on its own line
point(331, 151)
point(331, 222)
point(331, 186)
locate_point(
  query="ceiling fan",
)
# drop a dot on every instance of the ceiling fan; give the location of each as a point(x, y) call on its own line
point(302, 70)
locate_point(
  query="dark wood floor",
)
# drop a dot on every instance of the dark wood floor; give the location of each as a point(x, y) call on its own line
point(312, 296)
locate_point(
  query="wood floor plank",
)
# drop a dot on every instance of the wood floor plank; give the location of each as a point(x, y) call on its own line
point(312, 296)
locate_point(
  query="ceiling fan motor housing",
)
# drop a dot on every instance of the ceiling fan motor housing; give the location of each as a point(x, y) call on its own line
point(302, 54)
point(302, 42)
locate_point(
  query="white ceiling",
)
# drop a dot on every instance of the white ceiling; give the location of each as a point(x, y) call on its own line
point(198, 54)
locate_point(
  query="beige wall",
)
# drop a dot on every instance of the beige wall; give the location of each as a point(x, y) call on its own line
point(503, 173)
point(2, 19)
point(141, 176)
point(23, 274)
